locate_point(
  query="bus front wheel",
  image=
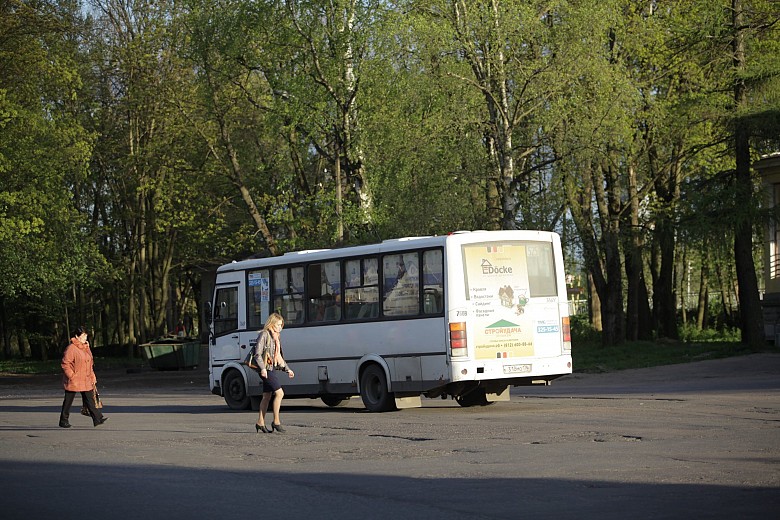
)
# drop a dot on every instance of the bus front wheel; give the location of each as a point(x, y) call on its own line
point(373, 390)
point(235, 391)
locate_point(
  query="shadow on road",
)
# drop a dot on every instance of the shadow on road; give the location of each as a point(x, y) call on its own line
point(32, 490)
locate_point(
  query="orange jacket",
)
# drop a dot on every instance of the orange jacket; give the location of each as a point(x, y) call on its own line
point(77, 372)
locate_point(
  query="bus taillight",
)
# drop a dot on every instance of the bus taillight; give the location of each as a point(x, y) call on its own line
point(566, 327)
point(458, 339)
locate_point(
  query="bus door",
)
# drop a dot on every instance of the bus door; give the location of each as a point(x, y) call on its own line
point(228, 316)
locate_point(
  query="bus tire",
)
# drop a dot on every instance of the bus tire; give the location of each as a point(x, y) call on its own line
point(235, 391)
point(334, 400)
point(476, 397)
point(373, 390)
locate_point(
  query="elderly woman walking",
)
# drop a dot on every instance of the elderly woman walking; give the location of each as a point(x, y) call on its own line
point(78, 375)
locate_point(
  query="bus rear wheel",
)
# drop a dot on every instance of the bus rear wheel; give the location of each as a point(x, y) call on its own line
point(373, 390)
point(476, 397)
point(235, 391)
point(334, 400)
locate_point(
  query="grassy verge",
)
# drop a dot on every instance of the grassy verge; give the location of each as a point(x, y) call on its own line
point(591, 357)
point(27, 366)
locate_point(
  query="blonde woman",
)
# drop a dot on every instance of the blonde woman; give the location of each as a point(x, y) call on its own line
point(268, 356)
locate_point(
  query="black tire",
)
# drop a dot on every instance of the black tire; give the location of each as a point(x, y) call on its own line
point(334, 400)
point(373, 390)
point(475, 397)
point(234, 391)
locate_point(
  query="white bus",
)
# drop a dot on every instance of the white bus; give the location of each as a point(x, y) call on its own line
point(465, 315)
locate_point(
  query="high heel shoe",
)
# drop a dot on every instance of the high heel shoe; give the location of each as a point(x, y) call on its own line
point(277, 427)
point(262, 428)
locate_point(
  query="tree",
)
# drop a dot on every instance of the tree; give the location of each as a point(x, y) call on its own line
point(141, 172)
point(332, 40)
point(506, 47)
point(44, 249)
point(737, 45)
point(747, 21)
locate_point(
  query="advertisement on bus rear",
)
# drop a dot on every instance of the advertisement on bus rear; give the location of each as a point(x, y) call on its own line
point(498, 293)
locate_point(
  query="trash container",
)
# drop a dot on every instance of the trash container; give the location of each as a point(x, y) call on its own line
point(171, 354)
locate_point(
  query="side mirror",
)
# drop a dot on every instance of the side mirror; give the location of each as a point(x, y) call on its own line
point(207, 313)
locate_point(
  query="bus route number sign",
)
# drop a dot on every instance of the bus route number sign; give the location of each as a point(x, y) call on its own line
point(517, 369)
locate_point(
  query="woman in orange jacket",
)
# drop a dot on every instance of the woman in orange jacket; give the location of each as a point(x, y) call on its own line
point(79, 376)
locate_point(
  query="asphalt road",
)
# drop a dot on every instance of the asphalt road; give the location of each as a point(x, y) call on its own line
point(700, 440)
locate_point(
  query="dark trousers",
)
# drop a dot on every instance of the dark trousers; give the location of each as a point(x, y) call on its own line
point(89, 400)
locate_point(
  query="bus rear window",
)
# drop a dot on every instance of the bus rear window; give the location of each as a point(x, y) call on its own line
point(509, 270)
point(541, 269)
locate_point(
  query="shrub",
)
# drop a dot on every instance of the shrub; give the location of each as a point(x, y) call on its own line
point(689, 333)
point(582, 331)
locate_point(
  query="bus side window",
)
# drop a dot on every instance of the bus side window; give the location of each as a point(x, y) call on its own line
point(323, 286)
point(257, 298)
point(362, 292)
point(431, 301)
point(368, 311)
point(288, 294)
point(433, 282)
point(401, 284)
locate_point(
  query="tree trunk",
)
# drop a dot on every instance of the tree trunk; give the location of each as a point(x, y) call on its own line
point(237, 177)
point(4, 334)
point(610, 206)
point(594, 307)
point(751, 313)
point(637, 306)
point(702, 304)
point(235, 171)
point(667, 187)
point(602, 256)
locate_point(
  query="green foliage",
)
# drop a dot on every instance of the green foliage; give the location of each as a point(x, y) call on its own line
point(147, 142)
point(582, 332)
point(45, 243)
point(19, 366)
point(692, 334)
point(35, 367)
point(590, 355)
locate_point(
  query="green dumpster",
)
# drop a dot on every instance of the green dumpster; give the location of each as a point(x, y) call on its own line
point(171, 354)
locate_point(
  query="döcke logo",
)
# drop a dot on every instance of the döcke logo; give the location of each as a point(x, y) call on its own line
point(488, 268)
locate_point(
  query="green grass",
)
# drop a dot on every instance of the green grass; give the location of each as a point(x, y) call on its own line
point(588, 354)
point(29, 366)
point(591, 357)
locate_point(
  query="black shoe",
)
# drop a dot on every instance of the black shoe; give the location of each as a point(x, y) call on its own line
point(259, 429)
point(64, 424)
point(101, 421)
point(277, 427)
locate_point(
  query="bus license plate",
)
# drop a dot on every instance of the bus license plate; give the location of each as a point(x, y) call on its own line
point(517, 369)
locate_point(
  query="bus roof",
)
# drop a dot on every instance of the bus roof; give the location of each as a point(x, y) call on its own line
point(399, 244)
